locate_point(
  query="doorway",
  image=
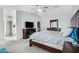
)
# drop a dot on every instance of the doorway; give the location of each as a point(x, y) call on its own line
point(8, 28)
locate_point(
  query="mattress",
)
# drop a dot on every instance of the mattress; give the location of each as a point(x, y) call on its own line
point(53, 39)
point(53, 45)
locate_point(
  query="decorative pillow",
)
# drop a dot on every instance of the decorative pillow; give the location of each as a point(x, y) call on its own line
point(67, 31)
point(3, 50)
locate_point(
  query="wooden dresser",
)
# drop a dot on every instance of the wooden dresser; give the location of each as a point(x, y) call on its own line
point(27, 32)
point(54, 29)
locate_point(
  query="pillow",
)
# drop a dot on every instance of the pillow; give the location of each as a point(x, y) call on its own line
point(67, 31)
point(3, 50)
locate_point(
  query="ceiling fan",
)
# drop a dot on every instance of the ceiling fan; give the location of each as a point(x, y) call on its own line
point(40, 8)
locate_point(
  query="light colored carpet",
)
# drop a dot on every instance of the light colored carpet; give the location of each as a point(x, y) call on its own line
point(21, 46)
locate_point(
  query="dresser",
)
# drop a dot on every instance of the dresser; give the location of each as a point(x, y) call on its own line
point(27, 32)
point(54, 29)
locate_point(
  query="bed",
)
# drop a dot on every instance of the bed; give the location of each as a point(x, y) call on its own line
point(52, 41)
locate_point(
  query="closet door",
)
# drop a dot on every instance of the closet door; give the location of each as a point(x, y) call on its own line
point(75, 20)
point(73, 23)
point(38, 26)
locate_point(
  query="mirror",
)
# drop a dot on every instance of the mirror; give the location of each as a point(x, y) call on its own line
point(54, 23)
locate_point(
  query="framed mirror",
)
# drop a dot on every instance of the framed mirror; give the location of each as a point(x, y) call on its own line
point(54, 23)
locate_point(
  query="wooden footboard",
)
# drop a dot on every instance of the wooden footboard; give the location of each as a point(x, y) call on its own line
point(50, 49)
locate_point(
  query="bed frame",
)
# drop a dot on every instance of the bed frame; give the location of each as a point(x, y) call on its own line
point(50, 49)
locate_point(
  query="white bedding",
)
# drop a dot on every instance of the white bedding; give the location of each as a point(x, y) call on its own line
point(51, 38)
point(69, 39)
point(53, 45)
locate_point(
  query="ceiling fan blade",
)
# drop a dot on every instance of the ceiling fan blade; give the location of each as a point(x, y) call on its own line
point(45, 7)
point(38, 8)
point(44, 10)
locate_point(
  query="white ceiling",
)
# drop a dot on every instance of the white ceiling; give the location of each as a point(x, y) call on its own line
point(29, 8)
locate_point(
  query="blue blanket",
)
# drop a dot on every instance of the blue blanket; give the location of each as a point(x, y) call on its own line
point(75, 34)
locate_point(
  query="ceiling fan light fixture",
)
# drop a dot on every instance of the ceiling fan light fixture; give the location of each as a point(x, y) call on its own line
point(39, 10)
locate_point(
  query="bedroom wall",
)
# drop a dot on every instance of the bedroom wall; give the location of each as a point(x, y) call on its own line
point(1, 24)
point(18, 23)
point(25, 16)
point(63, 15)
point(12, 13)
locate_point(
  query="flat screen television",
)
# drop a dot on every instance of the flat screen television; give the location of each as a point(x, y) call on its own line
point(29, 24)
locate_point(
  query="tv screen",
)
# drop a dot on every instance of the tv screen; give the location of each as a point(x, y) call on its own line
point(29, 24)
